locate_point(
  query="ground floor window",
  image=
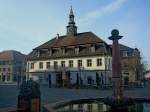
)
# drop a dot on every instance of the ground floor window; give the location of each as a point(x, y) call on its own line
point(126, 80)
point(46, 77)
point(8, 77)
point(3, 78)
point(40, 78)
point(89, 80)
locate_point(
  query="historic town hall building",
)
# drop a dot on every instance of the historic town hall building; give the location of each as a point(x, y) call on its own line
point(71, 59)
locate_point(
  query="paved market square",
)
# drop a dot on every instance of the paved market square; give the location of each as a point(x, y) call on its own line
point(9, 93)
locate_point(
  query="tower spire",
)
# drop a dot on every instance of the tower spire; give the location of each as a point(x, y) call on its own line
point(71, 11)
point(71, 28)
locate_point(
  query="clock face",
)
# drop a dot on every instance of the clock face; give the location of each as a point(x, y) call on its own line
point(71, 30)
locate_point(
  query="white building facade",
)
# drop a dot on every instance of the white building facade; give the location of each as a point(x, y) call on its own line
point(86, 67)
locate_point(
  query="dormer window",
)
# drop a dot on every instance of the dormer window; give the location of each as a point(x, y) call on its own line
point(136, 52)
point(50, 52)
point(38, 53)
point(63, 51)
point(125, 53)
point(92, 48)
point(77, 50)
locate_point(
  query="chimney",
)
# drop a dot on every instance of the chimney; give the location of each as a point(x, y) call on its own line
point(57, 36)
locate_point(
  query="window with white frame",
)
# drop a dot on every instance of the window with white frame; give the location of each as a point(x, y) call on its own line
point(62, 63)
point(55, 64)
point(79, 63)
point(38, 53)
point(41, 65)
point(48, 65)
point(99, 62)
point(63, 50)
point(77, 50)
point(89, 62)
point(92, 48)
point(32, 66)
point(71, 63)
point(125, 53)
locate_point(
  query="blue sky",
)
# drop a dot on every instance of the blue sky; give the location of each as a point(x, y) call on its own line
point(25, 24)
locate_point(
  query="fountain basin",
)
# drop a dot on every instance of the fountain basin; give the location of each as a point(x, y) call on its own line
point(94, 105)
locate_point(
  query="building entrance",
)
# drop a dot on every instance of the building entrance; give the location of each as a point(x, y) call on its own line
point(59, 80)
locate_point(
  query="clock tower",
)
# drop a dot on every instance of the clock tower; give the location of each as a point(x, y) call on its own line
point(71, 28)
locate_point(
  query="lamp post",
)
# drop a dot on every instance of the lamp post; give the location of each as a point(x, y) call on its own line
point(18, 79)
point(49, 80)
point(116, 64)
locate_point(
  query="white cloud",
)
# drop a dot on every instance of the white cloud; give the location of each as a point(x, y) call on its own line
point(109, 8)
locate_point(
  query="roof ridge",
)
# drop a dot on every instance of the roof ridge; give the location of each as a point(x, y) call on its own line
point(126, 46)
point(64, 40)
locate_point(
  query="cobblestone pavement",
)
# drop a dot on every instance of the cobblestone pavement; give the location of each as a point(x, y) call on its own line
point(8, 94)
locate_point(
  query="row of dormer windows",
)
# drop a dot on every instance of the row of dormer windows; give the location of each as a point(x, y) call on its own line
point(70, 64)
point(63, 50)
point(126, 53)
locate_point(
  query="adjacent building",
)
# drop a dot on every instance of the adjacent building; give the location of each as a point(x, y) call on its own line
point(132, 70)
point(147, 75)
point(11, 66)
point(71, 59)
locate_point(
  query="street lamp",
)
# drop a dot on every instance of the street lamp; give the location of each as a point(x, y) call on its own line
point(49, 80)
point(18, 79)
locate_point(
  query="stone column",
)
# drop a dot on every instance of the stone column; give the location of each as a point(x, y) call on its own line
point(116, 64)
